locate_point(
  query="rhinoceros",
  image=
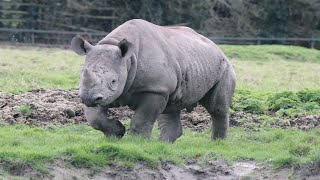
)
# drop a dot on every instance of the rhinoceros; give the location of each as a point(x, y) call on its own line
point(156, 71)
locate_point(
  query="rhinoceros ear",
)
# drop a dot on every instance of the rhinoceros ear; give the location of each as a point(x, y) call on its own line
point(126, 49)
point(80, 46)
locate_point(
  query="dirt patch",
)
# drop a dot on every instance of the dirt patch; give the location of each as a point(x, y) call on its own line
point(44, 107)
point(252, 121)
point(304, 122)
point(9, 168)
point(40, 107)
point(193, 169)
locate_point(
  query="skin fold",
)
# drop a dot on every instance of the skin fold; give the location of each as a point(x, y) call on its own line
point(156, 71)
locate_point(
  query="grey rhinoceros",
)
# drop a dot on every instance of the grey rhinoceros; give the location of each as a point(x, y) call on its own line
point(157, 71)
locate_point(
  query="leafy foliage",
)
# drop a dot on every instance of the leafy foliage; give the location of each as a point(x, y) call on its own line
point(283, 100)
point(309, 96)
point(249, 102)
point(285, 103)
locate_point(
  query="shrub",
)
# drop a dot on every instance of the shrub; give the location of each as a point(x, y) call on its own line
point(249, 101)
point(311, 106)
point(285, 103)
point(251, 105)
point(291, 112)
point(283, 100)
point(309, 96)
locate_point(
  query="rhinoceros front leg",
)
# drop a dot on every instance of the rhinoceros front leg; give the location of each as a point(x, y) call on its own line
point(170, 126)
point(98, 119)
point(148, 108)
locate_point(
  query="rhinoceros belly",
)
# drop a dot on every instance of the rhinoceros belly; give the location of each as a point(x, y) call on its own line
point(198, 77)
point(198, 80)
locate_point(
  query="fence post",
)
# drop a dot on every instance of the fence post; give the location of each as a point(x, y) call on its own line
point(259, 42)
point(312, 44)
point(32, 38)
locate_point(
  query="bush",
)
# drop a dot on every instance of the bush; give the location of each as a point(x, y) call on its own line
point(283, 100)
point(285, 103)
point(251, 105)
point(291, 112)
point(309, 96)
point(311, 106)
point(249, 101)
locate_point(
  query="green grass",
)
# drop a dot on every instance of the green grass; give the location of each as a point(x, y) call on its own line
point(265, 53)
point(25, 110)
point(275, 67)
point(32, 68)
point(275, 75)
point(260, 68)
point(84, 147)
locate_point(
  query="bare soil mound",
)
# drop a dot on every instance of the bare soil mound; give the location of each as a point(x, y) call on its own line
point(40, 107)
point(43, 107)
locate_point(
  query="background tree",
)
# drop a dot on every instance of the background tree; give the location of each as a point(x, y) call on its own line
point(241, 18)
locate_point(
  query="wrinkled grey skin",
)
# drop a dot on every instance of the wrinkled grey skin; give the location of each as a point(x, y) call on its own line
point(156, 71)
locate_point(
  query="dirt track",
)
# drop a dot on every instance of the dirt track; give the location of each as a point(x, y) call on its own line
point(59, 106)
point(192, 170)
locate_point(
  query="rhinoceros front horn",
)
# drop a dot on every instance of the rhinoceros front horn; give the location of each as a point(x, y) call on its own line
point(88, 77)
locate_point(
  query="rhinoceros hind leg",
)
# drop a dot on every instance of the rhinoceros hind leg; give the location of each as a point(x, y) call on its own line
point(217, 102)
point(170, 127)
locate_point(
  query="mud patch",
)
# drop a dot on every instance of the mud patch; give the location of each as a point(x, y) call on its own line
point(55, 106)
point(40, 107)
point(20, 169)
point(212, 169)
point(253, 121)
point(305, 122)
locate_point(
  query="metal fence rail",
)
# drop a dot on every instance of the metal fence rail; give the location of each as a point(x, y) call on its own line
point(58, 38)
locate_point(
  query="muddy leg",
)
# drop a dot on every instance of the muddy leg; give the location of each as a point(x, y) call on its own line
point(97, 118)
point(220, 123)
point(148, 109)
point(217, 102)
point(170, 126)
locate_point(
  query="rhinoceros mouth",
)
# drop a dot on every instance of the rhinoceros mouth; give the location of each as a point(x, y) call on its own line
point(98, 102)
point(117, 130)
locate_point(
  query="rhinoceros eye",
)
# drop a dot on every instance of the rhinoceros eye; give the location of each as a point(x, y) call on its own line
point(113, 84)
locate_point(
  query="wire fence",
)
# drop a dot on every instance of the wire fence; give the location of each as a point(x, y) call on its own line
point(54, 23)
point(63, 38)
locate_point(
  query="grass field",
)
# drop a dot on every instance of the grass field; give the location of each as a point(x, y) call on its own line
point(260, 68)
point(262, 72)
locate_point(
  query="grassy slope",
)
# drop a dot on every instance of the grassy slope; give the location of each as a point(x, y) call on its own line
point(259, 68)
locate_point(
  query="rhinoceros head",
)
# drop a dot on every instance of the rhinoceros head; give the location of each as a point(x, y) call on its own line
point(105, 72)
